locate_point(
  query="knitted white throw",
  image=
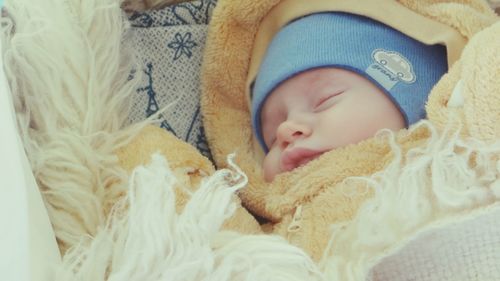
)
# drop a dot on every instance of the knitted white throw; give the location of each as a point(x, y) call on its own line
point(68, 65)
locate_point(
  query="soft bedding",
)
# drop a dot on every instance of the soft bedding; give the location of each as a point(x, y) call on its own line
point(176, 217)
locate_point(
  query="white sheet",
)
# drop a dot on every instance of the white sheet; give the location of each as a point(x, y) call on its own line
point(27, 242)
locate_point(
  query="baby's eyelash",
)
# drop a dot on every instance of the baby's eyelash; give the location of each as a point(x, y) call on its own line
point(326, 98)
point(322, 100)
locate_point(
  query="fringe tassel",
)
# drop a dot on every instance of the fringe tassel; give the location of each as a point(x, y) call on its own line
point(446, 176)
point(69, 68)
point(147, 240)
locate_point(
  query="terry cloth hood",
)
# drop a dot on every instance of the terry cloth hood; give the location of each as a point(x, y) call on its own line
point(303, 203)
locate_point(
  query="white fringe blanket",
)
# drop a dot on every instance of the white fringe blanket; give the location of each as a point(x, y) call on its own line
point(68, 65)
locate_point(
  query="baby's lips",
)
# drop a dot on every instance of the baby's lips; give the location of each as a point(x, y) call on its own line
point(295, 157)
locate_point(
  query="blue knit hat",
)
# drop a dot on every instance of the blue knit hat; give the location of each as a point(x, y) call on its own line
point(403, 68)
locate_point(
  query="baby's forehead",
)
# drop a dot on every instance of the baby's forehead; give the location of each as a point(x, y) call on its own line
point(316, 80)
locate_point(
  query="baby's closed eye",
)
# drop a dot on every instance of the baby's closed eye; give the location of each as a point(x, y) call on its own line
point(326, 101)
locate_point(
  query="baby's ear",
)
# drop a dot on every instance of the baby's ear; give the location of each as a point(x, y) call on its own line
point(470, 92)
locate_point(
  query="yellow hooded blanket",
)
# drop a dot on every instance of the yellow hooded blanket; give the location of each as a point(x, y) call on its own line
point(301, 205)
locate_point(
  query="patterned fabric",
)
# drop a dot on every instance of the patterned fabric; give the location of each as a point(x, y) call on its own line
point(171, 42)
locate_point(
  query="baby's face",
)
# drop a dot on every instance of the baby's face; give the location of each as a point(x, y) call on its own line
point(320, 110)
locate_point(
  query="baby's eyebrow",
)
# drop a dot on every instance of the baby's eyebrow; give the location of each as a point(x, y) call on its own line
point(316, 87)
point(314, 91)
point(333, 84)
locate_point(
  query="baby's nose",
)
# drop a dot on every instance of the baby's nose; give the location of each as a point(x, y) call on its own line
point(289, 131)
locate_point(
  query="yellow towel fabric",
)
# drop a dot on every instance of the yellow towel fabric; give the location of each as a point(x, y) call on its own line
point(302, 204)
point(189, 166)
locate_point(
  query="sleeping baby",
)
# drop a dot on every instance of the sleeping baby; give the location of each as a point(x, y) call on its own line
point(299, 89)
point(332, 79)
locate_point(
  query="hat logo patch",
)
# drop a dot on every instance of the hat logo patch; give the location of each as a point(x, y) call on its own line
point(389, 68)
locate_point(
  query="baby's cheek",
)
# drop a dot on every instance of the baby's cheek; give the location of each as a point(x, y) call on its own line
point(271, 165)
